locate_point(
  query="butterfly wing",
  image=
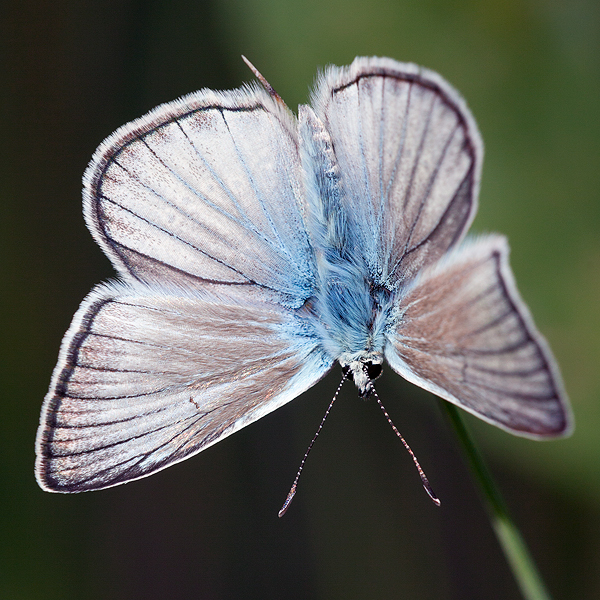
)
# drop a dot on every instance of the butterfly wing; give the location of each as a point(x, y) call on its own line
point(462, 332)
point(147, 377)
point(199, 207)
point(205, 191)
point(409, 154)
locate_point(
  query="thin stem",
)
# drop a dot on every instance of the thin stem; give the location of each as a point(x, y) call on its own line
point(515, 550)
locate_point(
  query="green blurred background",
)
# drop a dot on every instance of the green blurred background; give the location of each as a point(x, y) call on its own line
point(360, 526)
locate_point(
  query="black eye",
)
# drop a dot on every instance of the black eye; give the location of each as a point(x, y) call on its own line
point(374, 370)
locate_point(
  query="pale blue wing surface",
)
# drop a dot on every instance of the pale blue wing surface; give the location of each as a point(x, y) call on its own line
point(149, 376)
point(204, 191)
point(461, 331)
point(409, 154)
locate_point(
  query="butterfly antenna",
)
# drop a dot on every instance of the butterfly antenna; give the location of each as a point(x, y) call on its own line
point(264, 82)
point(424, 479)
point(292, 491)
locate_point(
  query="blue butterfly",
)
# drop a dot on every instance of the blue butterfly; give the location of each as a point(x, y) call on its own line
point(255, 250)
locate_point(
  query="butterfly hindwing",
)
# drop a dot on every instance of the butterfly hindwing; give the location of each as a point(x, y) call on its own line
point(147, 377)
point(462, 332)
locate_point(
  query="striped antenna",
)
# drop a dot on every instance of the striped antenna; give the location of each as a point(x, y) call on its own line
point(292, 491)
point(424, 479)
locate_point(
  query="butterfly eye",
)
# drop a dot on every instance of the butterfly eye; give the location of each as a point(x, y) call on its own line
point(374, 370)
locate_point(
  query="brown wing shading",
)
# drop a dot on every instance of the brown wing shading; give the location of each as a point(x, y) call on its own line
point(462, 332)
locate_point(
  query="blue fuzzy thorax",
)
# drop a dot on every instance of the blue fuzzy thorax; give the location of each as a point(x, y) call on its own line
point(353, 312)
point(352, 309)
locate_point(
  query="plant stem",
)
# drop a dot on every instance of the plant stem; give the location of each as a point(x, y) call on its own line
point(515, 550)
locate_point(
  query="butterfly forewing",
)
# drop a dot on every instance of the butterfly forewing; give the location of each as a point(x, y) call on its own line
point(462, 332)
point(147, 377)
point(410, 154)
point(204, 190)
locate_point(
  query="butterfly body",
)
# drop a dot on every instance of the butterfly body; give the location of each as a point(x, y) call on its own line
point(255, 250)
point(352, 303)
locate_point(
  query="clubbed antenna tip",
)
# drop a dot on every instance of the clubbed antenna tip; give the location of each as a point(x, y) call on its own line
point(287, 502)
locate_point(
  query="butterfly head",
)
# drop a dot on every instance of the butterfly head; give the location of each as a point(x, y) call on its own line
point(363, 369)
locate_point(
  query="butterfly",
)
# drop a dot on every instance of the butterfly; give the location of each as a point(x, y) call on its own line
point(256, 249)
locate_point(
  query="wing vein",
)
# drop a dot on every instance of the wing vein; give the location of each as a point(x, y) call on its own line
point(400, 151)
point(410, 186)
point(247, 223)
point(439, 224)
point(258, 193)
point(194, 247)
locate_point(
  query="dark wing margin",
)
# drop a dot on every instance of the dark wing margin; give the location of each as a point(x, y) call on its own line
point(147, 377)
point(410, 156)
point(462, 332)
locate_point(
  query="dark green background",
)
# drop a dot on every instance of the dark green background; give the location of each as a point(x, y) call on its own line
point(361, 526)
